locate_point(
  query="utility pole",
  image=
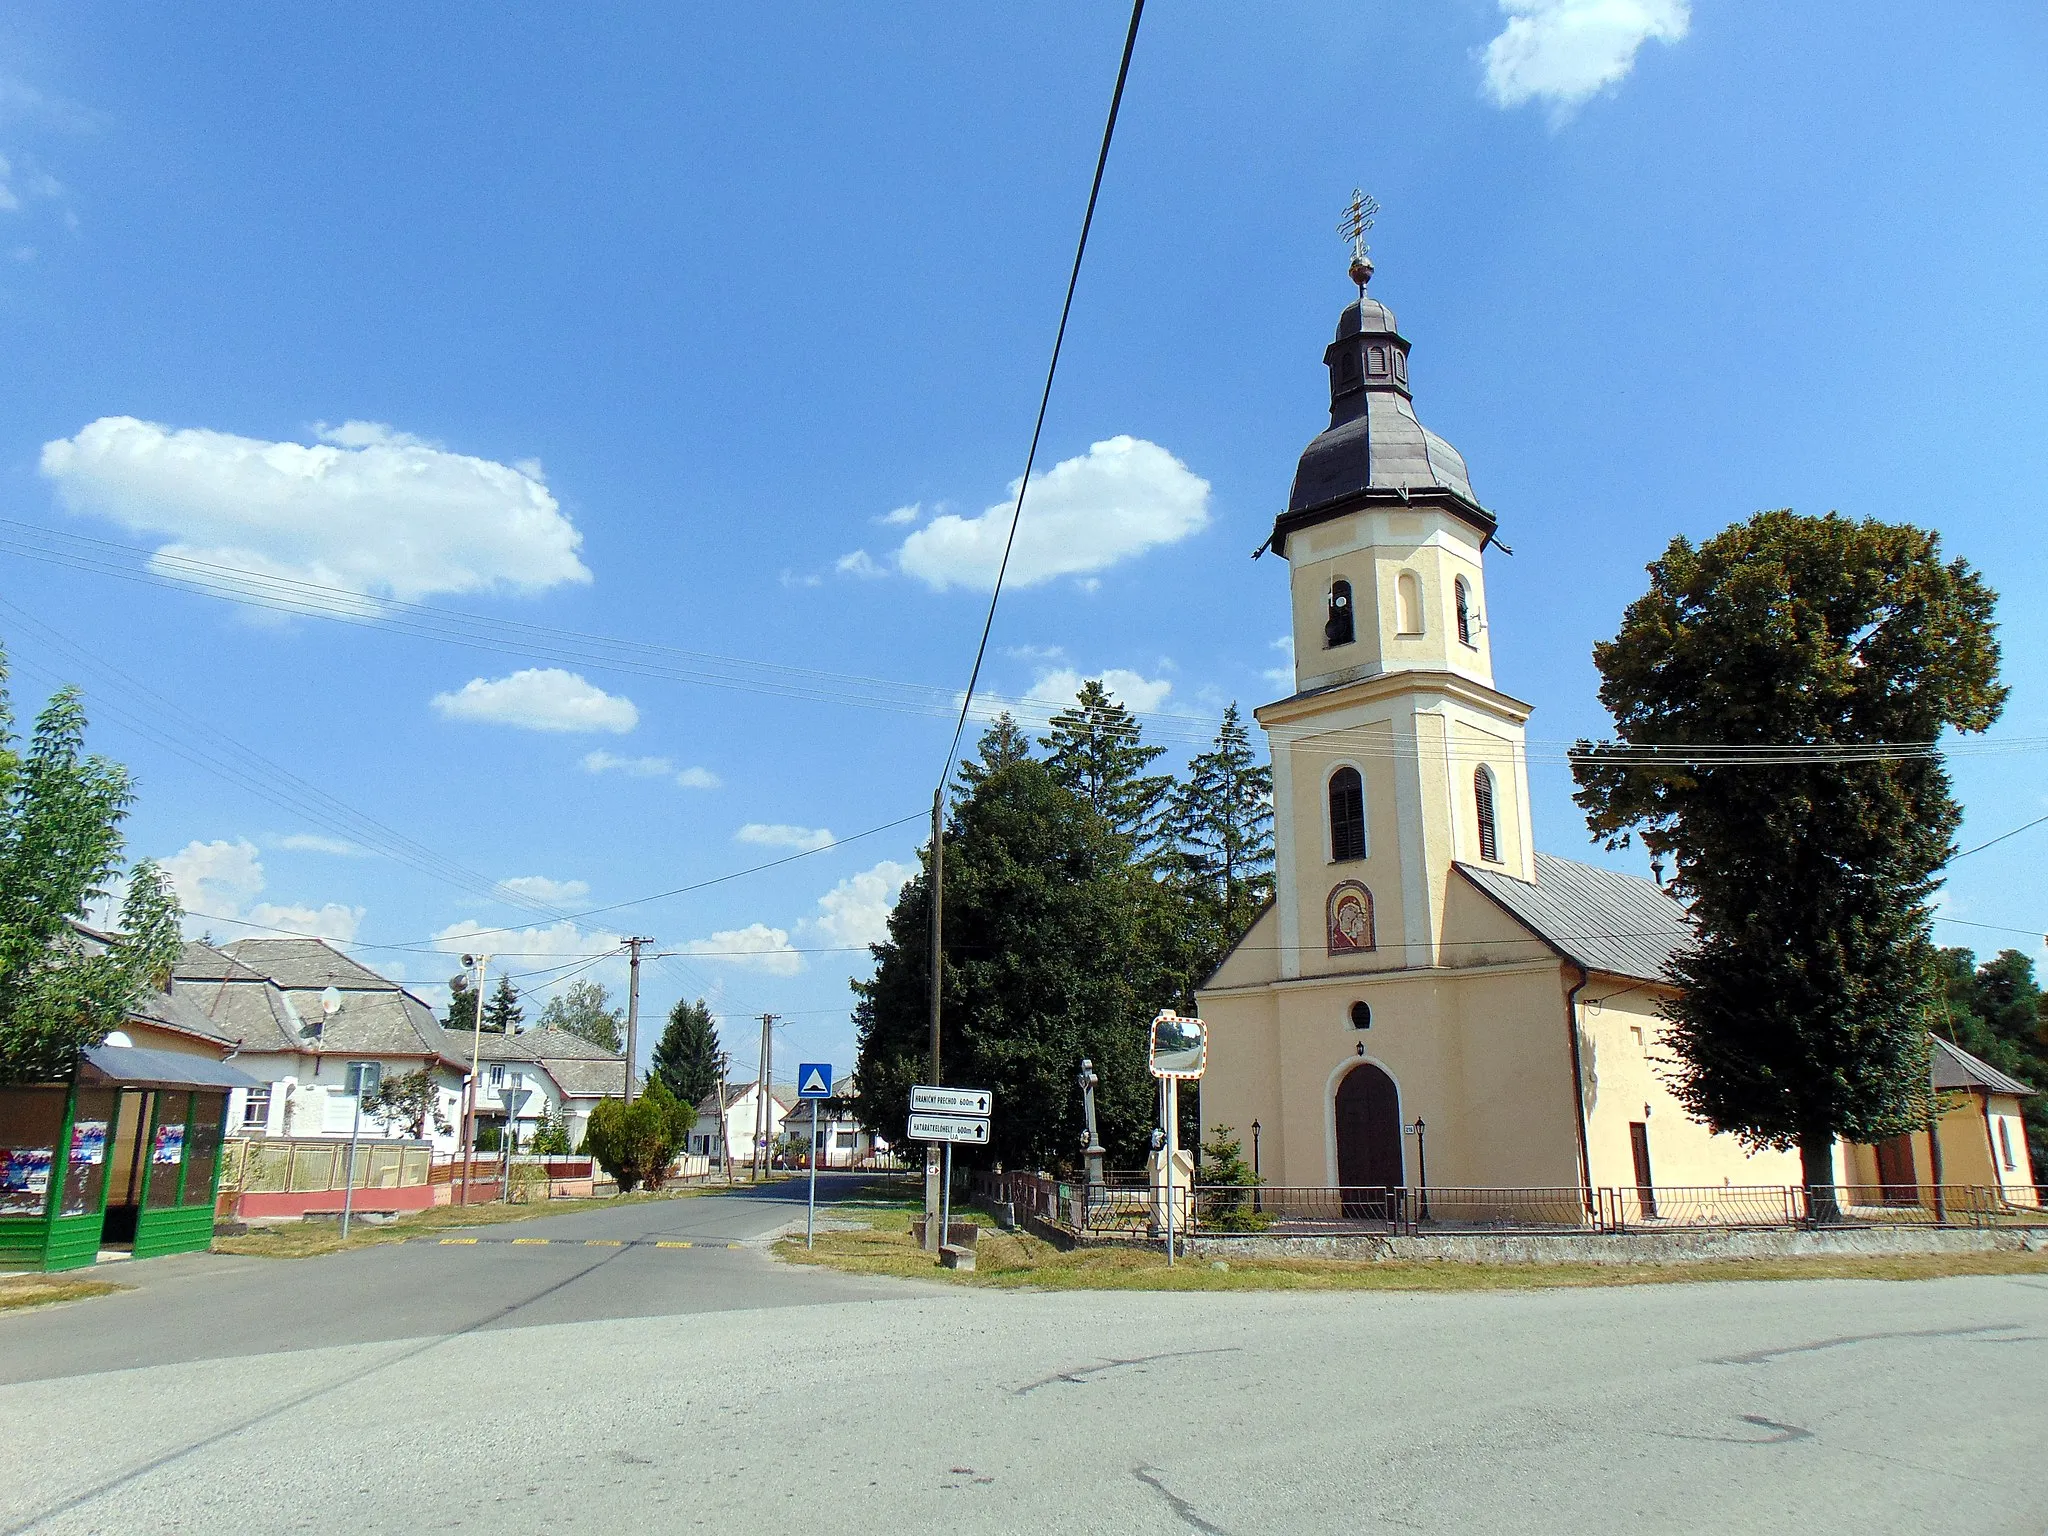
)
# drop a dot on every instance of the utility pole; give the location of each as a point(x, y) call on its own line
point(724, 1125)
point(763, 1080)
point(633, 1013)
point(932, 1236)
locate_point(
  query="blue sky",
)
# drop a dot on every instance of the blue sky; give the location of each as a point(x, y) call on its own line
point(642, 325)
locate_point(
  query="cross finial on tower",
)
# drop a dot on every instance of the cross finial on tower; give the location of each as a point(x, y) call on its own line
point(1356, 221)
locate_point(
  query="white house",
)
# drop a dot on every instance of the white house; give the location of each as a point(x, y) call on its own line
point(838, 1140)
point(743, 1122)
point(560, 1073)
point(312, 1026)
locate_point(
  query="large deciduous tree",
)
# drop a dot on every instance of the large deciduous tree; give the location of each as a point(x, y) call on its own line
point(584, 1009)
point(1801, 643)
point(687, 1057)
point(60, 851)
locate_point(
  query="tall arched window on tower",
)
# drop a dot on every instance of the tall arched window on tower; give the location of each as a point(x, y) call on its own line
point(1408, 604)
point(1339, 628)
point(1347, 815)
point(1482, 800)
point(1463, 593)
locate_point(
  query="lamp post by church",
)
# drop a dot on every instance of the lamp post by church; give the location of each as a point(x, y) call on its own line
point(1257, 1204)
point(1421, 1166)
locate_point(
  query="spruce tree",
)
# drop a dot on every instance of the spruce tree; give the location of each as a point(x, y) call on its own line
point(502, 1014)
point(1002, 744)
point(1221, 820)
point(1806, 990)
point(461, 1004)
point(687, 1057)
point(1095, 748)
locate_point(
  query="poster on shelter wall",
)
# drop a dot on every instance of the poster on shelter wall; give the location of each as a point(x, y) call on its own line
point(25, 1179)
point(169, 1146)
point(88, 1143)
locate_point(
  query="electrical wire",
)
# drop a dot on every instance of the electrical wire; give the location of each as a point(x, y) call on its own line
point(1045, 396)
point(2015, 832)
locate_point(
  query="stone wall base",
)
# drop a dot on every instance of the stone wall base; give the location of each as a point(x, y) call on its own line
point(1622, 1247)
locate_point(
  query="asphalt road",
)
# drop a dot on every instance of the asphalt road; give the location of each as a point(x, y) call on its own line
point(641, 1388)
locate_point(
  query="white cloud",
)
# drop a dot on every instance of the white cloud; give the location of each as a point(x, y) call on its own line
point(650, 768)
point(313, 842)
point(1036, 652)
point(902, 517)
point(1121, 498)
point(856, 910)
point(220, 881)
point(1566, 51)
point(781, 835)
point(541, 888)
point(540, 699)
point(1282, 676)
point(1056, 690)
point(366, 508)
point(860, 563)
point(756, 947)
point(801, 579)
point(532, 950)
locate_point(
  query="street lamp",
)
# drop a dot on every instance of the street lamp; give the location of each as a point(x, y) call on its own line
point(1257, 1204)
point(1421, 1164)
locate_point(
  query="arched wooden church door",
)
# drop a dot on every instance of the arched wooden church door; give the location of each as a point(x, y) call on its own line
point(1368, 1137)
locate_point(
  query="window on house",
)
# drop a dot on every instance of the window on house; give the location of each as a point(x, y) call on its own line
point(847, 1139)
point(2005, 1143)
point(1339, 628)
point(1361, 1016)
point(256, 1109)
point(1408, 603)
point(1482, 799)
point(498, 1076)
point(1347, 815)
point(1463, 594)
point(364, 1076)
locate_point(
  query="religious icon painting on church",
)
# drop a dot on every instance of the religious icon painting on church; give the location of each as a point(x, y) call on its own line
point(1350, 919)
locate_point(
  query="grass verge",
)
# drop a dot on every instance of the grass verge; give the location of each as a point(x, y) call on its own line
point(308, 1239)
point(18, 1291)
point(1014, 1260)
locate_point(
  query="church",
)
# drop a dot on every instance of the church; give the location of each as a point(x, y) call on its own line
point(1425, 983)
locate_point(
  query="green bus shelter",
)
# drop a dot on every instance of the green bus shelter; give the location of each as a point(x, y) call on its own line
point(124, 1158)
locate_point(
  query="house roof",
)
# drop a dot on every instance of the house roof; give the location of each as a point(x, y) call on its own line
point(1600, 918)
point(135, 1065)
point(581, 1069)
point(1955, 1067)
point(165, 1010)
point(266, 994)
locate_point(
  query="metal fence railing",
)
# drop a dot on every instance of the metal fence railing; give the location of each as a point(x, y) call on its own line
point(1128, 1206)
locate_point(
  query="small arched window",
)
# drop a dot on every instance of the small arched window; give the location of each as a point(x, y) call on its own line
point(1400, 366)
point(2005, 1142)
point(1408, 603)
point(1376, 360)
point(1350, 365)
point(1340, 628)
point(1347, 815)
point(1463, 595)
point(1482, 799)
point(1361, 1017)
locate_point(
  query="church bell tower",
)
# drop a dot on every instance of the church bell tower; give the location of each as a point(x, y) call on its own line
point(1395, 756)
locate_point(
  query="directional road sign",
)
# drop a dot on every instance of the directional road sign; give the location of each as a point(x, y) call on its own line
point(972, 1129)
point(951, 1101)
point(814, 1080)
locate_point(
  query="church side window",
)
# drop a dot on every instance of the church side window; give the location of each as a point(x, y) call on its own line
point(1482, 798)
point(1339, 628)
point(1347, 815)
point(1463, 594)
point(1408, 603)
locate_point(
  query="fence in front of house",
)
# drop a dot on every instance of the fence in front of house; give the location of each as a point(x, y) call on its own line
point(1128, 1205)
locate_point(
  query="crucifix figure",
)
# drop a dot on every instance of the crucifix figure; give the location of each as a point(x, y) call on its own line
point(1356, 221)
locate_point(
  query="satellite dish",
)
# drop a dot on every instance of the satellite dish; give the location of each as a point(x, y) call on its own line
point(330, 1001)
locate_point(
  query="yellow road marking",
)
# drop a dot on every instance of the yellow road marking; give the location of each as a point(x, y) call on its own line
point(735, 1245)
point(603, 1242)
point(671, 1245)
point(448, 1240)
point(523, 1240)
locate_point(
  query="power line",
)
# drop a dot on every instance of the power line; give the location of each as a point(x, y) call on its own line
point(2015, 832)
point(1045, 396)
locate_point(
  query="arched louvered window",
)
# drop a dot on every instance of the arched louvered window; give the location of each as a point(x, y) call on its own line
point(1408, 604)
point(1482, 799)
point(1347, 815)
point(1464, 600)
point(1340, 628)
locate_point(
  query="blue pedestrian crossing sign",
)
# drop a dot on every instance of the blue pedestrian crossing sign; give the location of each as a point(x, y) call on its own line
point(814, 1080)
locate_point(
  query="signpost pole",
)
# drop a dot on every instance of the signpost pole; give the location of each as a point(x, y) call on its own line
point(946, 1200)
point(348, 1195)
point(811, 1215)
point(1172, 1149)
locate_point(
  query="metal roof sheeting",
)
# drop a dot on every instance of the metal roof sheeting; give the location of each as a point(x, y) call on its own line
point(1955, 1067)
point(1604, 920)
point(133, 1066)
